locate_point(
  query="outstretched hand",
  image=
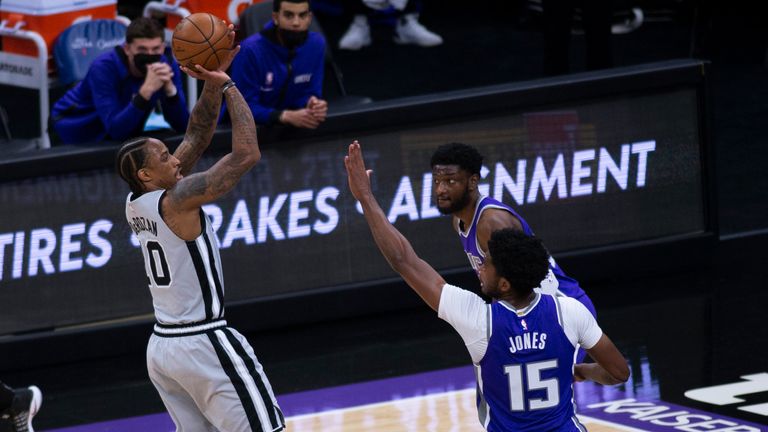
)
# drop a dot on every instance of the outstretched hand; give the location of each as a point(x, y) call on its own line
point(357, 175)
point(217, 76)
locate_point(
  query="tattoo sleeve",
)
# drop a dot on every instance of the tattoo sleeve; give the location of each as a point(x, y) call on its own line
point(201, 188)
point(244, 141)
point(202, 125)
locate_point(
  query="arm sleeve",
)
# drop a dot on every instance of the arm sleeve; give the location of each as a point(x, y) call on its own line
point(120, 118)
point(469, 315)
point(175, 108)
point(247, 77)
point(580, 326)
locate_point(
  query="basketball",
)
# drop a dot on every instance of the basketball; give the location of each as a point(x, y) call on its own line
point(200, 38)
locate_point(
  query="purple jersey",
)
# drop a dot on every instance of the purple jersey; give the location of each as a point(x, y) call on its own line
point(525, 377)
point(556, 282)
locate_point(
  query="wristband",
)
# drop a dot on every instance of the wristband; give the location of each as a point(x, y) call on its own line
point(227, 85)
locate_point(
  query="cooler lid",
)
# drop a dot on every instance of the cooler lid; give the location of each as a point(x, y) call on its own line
point(50, 7)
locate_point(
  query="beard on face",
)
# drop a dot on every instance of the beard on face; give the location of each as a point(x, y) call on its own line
point(455, 206)
point(490, 289)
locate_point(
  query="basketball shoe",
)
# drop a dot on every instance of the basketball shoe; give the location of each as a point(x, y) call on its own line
point(26, 404)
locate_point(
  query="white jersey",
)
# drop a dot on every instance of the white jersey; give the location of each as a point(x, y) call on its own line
point(469, 315)
point(185, 277)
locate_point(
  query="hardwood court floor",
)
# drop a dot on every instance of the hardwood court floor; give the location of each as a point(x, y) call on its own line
point(444, 412)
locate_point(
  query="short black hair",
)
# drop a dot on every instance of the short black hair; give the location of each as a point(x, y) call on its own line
point(129, 160)
point(463, 155)
point(144, 28)
point(277, 3)
point(521, 259)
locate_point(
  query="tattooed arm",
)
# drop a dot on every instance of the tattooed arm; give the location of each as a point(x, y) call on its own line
point(202, 125)
point(195, 190)
point(205, 115)
point(192, 192)
point(181, 204)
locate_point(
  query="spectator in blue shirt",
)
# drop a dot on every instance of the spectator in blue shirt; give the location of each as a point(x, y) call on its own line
point(121, 89)
point(280, 70)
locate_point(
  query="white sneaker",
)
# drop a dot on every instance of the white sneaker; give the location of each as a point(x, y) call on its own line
point(630, 24)
point(358, 34)
point(26, 403)
point(410, 31)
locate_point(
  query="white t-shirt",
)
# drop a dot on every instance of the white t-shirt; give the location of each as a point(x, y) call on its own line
point(469, 315)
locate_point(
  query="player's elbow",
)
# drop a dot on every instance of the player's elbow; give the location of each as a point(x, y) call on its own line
point(254, 157)
point(401, 258)
point(397, 261)
point(241, 162)
point(249, 157)
point(251, 160)
point(620, 374)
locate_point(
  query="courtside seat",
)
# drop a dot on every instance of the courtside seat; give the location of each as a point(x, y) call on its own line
point(78, 45)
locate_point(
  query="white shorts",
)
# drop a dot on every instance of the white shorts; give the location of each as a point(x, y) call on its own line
point(210, 380)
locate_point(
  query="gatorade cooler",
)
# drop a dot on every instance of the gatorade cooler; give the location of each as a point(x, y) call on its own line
point(228, 10)
point(49, 18)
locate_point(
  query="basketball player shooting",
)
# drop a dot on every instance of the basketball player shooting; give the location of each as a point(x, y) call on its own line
point(205, 372)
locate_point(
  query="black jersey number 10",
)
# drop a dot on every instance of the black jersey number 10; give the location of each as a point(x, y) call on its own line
point(158, 264)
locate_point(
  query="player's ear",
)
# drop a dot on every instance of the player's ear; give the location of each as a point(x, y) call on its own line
point(504, 286)
point(143, 175)
point(474, 179)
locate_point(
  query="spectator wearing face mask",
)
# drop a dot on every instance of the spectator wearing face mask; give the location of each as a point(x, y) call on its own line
point(280, 69)
point(122, 88)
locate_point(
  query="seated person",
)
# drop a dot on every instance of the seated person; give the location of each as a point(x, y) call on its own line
point(280, 69)
point(122, 87)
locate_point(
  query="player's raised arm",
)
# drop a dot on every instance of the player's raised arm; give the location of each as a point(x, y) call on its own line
point(393, 245)
point(198, 189)
point(205, 114)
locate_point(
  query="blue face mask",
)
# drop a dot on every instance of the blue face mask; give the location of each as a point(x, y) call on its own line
point(141, 61)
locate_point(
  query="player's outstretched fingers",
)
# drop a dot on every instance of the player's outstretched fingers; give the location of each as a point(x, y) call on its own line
point(228, 57)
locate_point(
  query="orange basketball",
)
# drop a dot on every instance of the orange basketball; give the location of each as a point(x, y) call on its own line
point(200, 38)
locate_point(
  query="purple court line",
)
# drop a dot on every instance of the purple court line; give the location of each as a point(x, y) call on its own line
point(154, 422)
point(604, 403)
